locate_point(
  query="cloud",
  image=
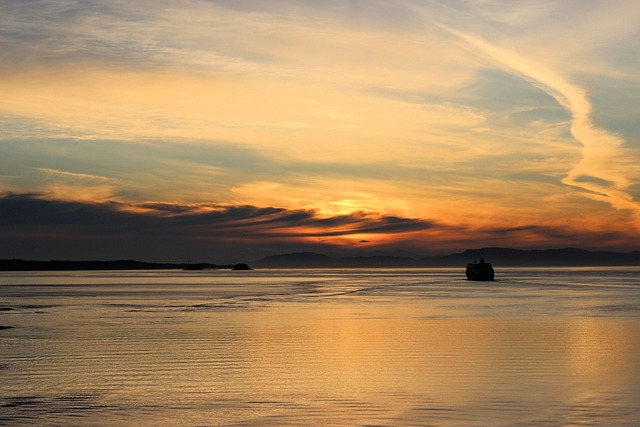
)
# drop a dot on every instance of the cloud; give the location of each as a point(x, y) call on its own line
point(602, 168)
point(31, 216)
point(32, 226)
point(76, 176)
point(73, 186)
point(291, 85)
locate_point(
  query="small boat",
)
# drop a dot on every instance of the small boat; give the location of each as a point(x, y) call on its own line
point(480, 271)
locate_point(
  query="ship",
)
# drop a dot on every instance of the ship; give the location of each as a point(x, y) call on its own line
point(480, 271)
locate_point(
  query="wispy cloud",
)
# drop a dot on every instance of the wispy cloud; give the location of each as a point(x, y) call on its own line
point(602, 171)
point(76, 176)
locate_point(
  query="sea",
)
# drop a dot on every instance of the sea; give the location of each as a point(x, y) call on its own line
point(375, 347)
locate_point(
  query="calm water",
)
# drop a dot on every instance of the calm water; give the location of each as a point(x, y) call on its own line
point(320, 348)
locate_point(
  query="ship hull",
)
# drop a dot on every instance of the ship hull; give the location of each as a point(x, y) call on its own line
point(480, 272)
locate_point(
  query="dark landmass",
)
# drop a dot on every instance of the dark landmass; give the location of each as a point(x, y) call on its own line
point(56, 265)
point(568, 257)
point(241, 266)
point(499, 257)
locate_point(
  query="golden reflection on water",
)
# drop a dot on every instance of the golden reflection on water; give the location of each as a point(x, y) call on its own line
point(425, 355)
point(468, 368)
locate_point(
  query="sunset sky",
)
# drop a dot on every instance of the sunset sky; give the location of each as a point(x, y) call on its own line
point(206, 130)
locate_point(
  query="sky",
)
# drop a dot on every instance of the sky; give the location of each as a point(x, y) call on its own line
point(217, 130)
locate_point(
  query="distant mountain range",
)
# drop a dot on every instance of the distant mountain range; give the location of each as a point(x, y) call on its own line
point(499, 257)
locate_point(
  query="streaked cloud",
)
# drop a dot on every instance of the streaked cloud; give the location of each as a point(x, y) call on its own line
point(31, 224)
point(601, 171)
point(34, 219)
point(75, 176)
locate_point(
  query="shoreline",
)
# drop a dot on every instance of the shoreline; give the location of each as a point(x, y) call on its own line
point(65, 265)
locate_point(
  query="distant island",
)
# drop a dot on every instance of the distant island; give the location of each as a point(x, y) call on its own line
point(499, 257)
point(59, 265)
